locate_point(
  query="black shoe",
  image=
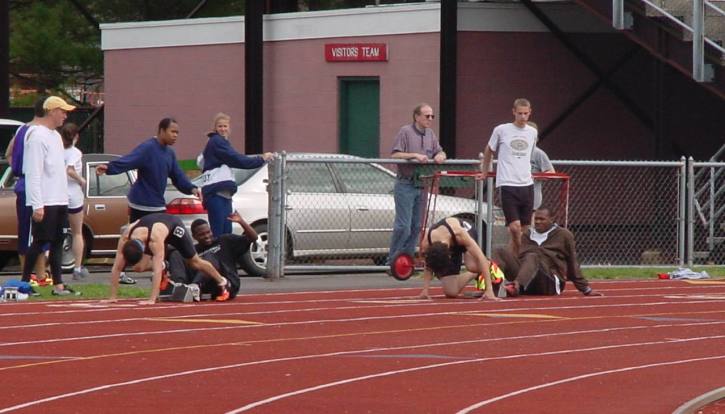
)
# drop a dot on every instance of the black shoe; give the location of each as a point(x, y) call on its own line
point(34, 292)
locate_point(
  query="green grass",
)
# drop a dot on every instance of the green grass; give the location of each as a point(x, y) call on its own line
point(593, 273)
point(94, 291)
point(101, 291)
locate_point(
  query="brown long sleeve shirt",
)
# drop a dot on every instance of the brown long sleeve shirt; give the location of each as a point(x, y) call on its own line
point(557, 255)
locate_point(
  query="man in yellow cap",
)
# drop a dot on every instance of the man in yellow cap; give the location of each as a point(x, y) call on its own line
point(46, 189)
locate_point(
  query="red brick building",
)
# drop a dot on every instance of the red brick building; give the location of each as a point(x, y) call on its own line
point(192, 69)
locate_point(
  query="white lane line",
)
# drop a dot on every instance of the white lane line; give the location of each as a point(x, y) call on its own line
point(445, 364)
point(585, 376)
point(241, 303)
point(329, 321)
point(330, 354)
point(447, 303)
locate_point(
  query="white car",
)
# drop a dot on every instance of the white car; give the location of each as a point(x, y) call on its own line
point(334, 210)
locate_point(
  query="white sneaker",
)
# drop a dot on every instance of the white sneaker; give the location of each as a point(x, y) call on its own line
point(126, 280)
point(80, 274)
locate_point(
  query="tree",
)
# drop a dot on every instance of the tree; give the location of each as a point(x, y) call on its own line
point(55, 45)
point(52, 48)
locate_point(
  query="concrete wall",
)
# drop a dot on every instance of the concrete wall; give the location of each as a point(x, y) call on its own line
point(190, 83)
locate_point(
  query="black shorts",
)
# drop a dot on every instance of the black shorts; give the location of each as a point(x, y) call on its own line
point(517, 203)
point(181, 240)
point(52, 226)
point(457, 257)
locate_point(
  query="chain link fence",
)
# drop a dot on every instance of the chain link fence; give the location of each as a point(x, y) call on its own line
point(336, 212)
point(339, 210)
point(626, 213)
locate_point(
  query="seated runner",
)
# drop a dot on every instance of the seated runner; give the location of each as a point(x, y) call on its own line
point(143, 246)
point(224, 253)
point(446, 246)
point(546, 260)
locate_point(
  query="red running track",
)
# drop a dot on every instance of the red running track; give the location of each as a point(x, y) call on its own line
point(646, 347)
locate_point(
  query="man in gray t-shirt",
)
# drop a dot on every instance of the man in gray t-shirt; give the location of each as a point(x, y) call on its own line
point(539, 163)
point(414, 142)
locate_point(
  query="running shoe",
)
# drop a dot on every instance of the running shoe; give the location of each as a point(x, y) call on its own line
point(66, 291)
point(480, 282)
point(80, 274)
point(164, 284)
point(224, 294)
point(497, 275)
point(126, 280)
point(512, 289)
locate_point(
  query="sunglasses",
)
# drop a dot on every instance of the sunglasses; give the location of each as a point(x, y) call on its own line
point(429, 116)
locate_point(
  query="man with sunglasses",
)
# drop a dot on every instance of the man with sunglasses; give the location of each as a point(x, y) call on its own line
point(415, 142)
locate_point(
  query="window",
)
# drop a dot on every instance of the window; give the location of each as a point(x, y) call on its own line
point(108, 185)
point(365, 179)
point(309, 178)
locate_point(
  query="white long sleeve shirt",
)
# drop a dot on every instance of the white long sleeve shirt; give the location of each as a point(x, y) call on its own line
point(44, 168)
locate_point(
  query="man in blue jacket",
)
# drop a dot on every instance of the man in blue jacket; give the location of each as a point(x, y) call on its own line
point(155, 162)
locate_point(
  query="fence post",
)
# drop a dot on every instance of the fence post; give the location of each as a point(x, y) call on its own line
point(479, 212)
point(690, 210)
point(681, 220)
point(282, 212)
point(698, 40)
point(618, 14)
point(274, 191)
point(489, 215)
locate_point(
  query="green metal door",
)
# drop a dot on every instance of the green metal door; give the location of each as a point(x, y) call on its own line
point(360, 117)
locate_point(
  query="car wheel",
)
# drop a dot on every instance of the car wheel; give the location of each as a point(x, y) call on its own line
point(5, 258)
point(254, 261)
point(67, 259)
point(380, 260)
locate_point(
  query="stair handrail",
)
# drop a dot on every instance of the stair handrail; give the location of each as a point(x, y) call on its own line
point(698, 31)
point(709, 41)
point(713, 177)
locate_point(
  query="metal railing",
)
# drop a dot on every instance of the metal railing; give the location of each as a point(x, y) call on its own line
point(701, 72)
point(335, 213)
point(706, 217)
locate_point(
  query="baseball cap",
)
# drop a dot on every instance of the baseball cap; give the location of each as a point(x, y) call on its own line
point(55, 102)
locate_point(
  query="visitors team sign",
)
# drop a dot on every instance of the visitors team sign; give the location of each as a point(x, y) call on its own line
point(356, 52)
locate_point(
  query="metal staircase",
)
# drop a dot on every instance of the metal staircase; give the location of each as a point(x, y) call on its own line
point(702, 23)
point(709, 205)
point(687, 34)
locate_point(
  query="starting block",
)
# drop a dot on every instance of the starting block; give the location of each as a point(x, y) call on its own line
point(183, 293)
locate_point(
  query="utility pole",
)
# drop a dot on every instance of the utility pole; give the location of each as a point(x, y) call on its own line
point(4, 58)
point(253, 77)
